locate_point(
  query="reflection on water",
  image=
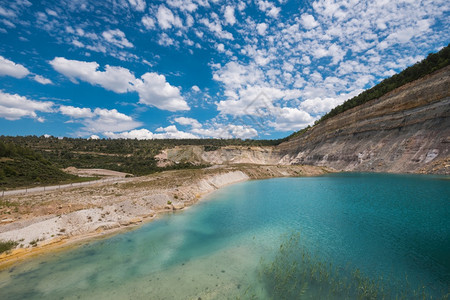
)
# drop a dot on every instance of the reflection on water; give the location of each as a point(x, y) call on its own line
point(353, 227)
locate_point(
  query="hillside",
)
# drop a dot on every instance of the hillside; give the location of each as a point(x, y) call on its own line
point(135, 157)
point(405, 130)
point(21, 166)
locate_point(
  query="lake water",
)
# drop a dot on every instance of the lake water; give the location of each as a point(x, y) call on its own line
point(334, 236)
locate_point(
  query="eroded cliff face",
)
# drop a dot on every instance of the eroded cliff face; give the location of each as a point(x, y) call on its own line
point(220, 156)
point(406, 130)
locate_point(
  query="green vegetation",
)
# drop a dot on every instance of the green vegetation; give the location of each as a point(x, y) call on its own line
point(295, 273)
point(20, 166)
point(34, 243)
point(433, 62)
point(7, 246)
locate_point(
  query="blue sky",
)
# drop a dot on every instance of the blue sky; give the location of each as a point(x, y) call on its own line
point(200, 68)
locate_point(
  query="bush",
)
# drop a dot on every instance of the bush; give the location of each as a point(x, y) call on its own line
point(7, 245)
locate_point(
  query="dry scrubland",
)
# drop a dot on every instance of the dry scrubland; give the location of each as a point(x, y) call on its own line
point(46, 220)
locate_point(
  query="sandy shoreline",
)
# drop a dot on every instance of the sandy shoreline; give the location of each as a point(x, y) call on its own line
point(57, 220)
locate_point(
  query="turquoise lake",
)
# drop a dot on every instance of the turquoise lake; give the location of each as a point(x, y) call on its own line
point(388, 233)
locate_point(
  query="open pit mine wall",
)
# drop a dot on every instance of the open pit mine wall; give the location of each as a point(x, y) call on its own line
point(404, 131)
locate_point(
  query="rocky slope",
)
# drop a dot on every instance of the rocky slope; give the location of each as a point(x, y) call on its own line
point(406, 130)
point(221, 156)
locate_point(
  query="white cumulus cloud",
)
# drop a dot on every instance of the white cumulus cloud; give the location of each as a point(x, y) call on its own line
point(99, 120)
point(76, 112)
point(116, 79)
point(10, 68)
point(14, 107)
point(169, 132)
point(188, 122)
point(153, 89)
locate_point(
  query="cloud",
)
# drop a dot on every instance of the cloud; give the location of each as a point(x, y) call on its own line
point(229, 15)
point(184, 5)
point(76, 112)
point(140, 134)
point(220, 47)
point(216, 28)
point(289, 119)
point(148, 22)
point(9, 68)
point(235, 75)
point(99, 120)
point(109, 120)
point(14, 107)
point(42, 79)
point(116, 79)
point(188, 122)
point(170, 132)
point(51, 12)
point(138, 5)
point(166, 19)
point(218, 130)
point(195, 88)
point(308, 21)
point(227, 131)
point(321, 105)
point(8, 13)
point(269, 8)
point(153, 89)
point(117, 37)
point(166, 41)
point(261, 28)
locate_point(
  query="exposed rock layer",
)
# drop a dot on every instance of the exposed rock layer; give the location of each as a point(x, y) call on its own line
point(406, 130)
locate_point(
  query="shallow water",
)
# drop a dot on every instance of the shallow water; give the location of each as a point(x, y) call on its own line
point(391, 226)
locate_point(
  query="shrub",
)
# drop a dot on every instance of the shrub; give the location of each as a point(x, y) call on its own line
point(7, 245)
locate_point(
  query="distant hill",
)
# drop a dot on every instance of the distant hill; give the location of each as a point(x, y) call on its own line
point(132, 156)
point(20, 166)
